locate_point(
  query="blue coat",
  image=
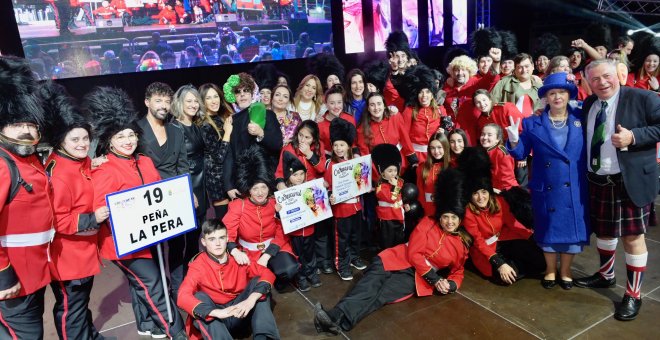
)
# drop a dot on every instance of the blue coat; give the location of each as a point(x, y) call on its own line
point(558, 181)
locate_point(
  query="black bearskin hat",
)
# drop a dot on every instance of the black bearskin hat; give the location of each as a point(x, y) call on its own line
point(265, 75)
point(449, 193)
point(324, 65)
point(291, 164)
point(340, 129)
point(509, 45)
point(548, 45)
point(18, 100)
point(111, 111)
point(384, 156)
point(520, 204)
point(397, 41)
point(416, 79)
point(376, 73)
point(483, 40)
point(475, 164)
point(599, 35)
point(253, 167)
point(62, 113)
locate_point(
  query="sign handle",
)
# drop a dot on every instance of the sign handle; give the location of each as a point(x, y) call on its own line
point(159, 247)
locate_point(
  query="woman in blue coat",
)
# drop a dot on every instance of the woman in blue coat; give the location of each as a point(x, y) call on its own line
point(558, 181)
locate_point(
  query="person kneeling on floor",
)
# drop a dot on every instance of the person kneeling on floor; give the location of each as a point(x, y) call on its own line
point(221, 296)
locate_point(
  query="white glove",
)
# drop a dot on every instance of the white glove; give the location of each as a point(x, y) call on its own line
point(512, 130)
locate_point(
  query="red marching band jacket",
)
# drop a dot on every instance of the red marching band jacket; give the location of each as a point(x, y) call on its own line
point(74, 250)
point(430, 249)
point(465, 92)
point(117, 174)
point(255, 229)
point(392, 96)
point(314, 168)
point(426, 187)
point(26, 227)
point(390, 205)
point(422, 128)
point(487, 229)
point(502, 168)
point(344, 209)
point(388, 131)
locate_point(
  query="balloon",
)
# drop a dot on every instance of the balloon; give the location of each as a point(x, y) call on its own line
point(409, 192)
point(416, 210)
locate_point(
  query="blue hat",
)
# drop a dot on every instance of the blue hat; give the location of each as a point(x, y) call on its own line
point(558, 81)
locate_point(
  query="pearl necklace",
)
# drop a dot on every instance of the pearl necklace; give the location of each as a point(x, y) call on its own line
point(558, 124)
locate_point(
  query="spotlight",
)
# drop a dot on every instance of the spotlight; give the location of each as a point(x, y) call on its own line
point(630, 32)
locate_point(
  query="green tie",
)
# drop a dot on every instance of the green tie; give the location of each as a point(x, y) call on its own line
point(598, 138)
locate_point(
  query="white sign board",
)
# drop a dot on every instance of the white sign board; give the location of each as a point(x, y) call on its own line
point(303, 205)
point(351, 178)
point(151, 213)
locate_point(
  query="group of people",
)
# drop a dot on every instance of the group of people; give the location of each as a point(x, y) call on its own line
point(466, 148)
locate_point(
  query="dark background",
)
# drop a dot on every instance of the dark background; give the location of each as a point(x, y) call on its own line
point(526, 18)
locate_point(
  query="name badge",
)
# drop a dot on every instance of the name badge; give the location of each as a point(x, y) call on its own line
point(492, 239)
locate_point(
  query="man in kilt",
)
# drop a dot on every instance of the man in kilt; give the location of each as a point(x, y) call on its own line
point(623, 127)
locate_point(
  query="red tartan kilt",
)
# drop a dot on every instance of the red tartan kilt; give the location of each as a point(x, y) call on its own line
point(612, 212)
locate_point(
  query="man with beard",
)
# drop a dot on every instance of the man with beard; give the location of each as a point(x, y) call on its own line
point(24, 187)
point(164, 143)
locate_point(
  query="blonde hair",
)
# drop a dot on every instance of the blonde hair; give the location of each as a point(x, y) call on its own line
point(464, 62)
point(177, 104)
point(318, 98)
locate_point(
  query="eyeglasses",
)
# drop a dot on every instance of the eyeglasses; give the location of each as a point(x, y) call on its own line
point(23, 126)
point(238, 91)
point(133, 137)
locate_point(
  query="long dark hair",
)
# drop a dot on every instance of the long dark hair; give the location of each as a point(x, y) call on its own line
point(366, 118)
point(224, 111)
point(347, 84)
point(314, 130)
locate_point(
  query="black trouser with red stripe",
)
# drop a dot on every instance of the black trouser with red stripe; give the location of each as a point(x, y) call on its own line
point(148, 296)
point(324, 232)
point(390, 233)
point(260, 318)
point(181, 249)
point(303, 246)
point(23, 317)
point(347, 241)
point(73, 320)
point(377, 288)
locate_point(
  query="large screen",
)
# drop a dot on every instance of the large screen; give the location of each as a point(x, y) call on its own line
point(67, 38)
point(436, 22)
point(353, 26)
point(459, 22)
point(410, 17)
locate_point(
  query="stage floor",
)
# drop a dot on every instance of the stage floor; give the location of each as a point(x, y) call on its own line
point(479, 310)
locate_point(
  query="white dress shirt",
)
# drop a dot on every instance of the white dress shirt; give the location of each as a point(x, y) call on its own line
point(609, 163)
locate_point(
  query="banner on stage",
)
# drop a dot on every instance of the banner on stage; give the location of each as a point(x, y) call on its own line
point(351, 178)
point(149, 214)
point(303, 205)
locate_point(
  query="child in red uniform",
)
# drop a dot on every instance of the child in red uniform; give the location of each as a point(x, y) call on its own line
point(334, 101)
point(458, 141)
point(390, 209)
point(502, 162)
point(307, 148)
point(428, 171)
point(221, 296)
point(432, 261)
point(253, 230)
point(302, 240)
point(346, 217)
point(422, 116)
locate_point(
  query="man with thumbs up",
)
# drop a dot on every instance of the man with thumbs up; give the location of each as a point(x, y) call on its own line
point(623, 127)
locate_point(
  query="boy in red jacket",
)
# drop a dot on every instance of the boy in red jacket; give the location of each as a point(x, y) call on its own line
point(221, 296)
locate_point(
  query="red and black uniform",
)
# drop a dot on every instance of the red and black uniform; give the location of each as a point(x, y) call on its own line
point(502, 168)
point(426, 187)
point(640, 83)
point(457, 95)
point(390, 130)
point(422, 127)
point(166, 16)
point(324, 132)
point(347, 228)
point(255, 229)
point(26, 229)
point(500, 233)
point(390, 213)
point(398, 273)
point(74, 250)
point(499, 115)
point(392, 96)
point(148, 297)
point(210, 285)
point(314, 167)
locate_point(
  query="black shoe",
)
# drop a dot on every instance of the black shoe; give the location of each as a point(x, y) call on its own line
point(358, 264)
point(323, 322)
point(594, 281)
point(628, 309)
point(566, 284)
point(315, 280)
point(327, 269)
point(303, 285)
point(346, 274)
point(548, 284)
